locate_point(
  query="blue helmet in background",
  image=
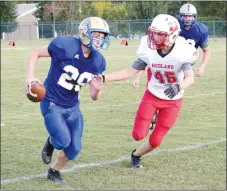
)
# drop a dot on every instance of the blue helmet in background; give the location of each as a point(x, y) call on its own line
point(187, 9)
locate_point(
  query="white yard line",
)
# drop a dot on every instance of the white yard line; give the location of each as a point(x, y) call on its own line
point(110, 162)
point(14, 48)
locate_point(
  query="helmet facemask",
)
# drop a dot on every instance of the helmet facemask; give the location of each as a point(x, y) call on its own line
point(100, 43)
point(187, 23)
point(156, 39)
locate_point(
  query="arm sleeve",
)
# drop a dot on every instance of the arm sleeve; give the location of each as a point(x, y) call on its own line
point(139, 64)
point(187, 66)
point(102, 66)
point(204, 37)
point(204, 40)
point(56, 50)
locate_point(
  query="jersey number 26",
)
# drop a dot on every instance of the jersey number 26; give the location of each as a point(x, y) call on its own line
point(65, 79)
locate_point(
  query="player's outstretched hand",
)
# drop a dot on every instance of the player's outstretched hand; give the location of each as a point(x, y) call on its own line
point(136, 83)
point(200, 72)
point(98, 77)
point(172, 90)
point(96, 82)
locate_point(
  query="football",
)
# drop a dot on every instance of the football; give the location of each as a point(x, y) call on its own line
point(37, 92)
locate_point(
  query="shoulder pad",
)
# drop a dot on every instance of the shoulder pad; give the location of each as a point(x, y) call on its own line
point(99, 65)
point(187, 53)
point(202, 27)
point(143, 47)
point(56, 49)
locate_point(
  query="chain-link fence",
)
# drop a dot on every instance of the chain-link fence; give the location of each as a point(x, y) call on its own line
point(119, 29)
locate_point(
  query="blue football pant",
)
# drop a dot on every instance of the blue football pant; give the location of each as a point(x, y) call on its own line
point(65, 127)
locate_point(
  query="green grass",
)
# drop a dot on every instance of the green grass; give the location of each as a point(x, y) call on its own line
point(107, 130)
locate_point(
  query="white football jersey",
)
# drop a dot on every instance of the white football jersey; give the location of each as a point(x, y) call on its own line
point(168, 69)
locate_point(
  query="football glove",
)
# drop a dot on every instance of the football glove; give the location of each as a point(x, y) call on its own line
point(172, 90)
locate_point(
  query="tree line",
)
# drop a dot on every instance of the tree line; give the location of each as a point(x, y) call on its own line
point(112, 10)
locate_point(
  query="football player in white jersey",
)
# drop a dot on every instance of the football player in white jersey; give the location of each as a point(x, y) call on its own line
point(195, 33)
point(170, 59)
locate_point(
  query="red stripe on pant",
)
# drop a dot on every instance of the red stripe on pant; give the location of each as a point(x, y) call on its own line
point(149, 74)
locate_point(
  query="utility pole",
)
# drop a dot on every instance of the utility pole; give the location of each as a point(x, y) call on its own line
point(53, 5)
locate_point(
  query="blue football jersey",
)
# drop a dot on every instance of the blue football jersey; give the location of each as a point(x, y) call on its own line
point(70, 70)
point(197, 35)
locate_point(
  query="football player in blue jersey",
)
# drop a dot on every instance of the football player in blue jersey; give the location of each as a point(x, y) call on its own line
point(74, 63)
point(195, 33)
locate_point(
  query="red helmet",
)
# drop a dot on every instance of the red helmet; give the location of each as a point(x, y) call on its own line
point(166, 27)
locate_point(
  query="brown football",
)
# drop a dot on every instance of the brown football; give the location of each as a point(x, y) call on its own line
point(37, 92)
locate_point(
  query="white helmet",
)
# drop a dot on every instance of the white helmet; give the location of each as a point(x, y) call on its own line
point(166, 25)
point(187, 9)
point(94, 24)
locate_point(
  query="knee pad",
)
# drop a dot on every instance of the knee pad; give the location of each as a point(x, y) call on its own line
point(157, 135)
point(155, 141)
point(141, 127)
point(137, 135)
point(71, 153)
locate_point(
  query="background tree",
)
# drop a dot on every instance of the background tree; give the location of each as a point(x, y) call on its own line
point(100, 6)
point(64, 10)
point(145, 10)
point(7, 11)
point(68, 14)
point(174, 7)
point(88, 10)
point(129, 10)
point(8, 15)
point(115, 12)
point(40, 12)
point(211, 10)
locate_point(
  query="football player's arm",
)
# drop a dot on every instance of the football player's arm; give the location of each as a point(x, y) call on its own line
point(33, 57)
point(97, 82)
point(173, 89)
point(95, 88)
point(188, 76)
point(206, 55)
point(137, 66)
point(137, 79)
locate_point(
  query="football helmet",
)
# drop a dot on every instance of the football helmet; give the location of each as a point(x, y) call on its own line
point(188, 9)
point(86, 29)
point(165, 27)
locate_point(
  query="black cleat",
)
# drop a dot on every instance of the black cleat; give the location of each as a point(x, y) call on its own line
point(135, 160)
point(55, 175)
point(47, 152)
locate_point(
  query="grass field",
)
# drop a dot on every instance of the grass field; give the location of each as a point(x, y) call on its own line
point(191, 157)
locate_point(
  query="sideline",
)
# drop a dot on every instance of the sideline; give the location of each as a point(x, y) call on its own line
point(114, 161)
